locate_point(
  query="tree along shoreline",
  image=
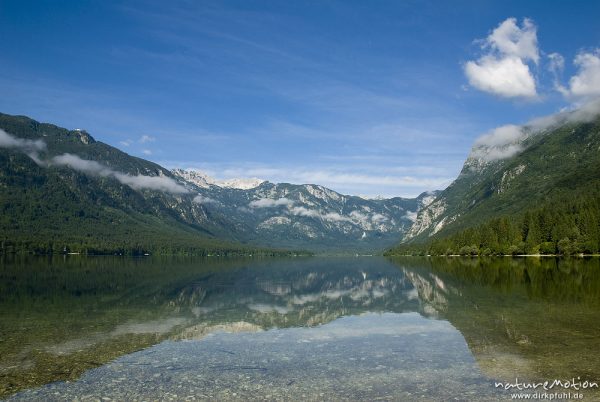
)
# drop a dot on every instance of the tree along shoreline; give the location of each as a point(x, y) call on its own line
point(50, 248)
point(579, 255)
point(566, 224)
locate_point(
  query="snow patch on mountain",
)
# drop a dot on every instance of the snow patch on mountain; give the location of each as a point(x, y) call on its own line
point(241, 184)
point(274, 221)
point(322, 192)
point(203, 180)
point(305, 212)
point(195, 177)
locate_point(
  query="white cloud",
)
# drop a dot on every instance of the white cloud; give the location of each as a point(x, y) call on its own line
point(302, 211)
point(145, 139)
point(33, 147)
point(200, 199)
point(269, 308)
point(586, 82)
point(503, 71)
point(159, 183)
point(411, 215)
point(311, 213)
point(501, 143)
point(27, 146)
point(506, 141)
point(125, 143)
point(335, 217)
point(585, 113)
point(379, 218)
point(82, 165)
point(137, 182)
point(510, 40)
point(493, 154)
point(147, 152)
point(556, 63)
point(500, 136)
point(508, 77)
point(270, 203)
point(556, 66)
point(360, 217)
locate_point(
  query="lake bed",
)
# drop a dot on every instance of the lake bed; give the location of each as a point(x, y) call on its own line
point(81, 328)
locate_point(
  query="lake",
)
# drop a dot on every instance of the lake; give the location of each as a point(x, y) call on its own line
point(365, 328)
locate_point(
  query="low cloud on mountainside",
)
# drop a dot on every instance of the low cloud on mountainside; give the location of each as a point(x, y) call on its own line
point(293, 209)
point(506, 141)
point(500, 143)
point(93, 168)
point(200, 199)
point(27, 146)
point(270, 203)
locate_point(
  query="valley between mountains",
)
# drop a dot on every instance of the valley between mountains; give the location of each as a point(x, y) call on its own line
point(62, 191)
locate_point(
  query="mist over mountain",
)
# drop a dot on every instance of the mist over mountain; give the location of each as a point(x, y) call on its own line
point(549, 163)
point(65, 191)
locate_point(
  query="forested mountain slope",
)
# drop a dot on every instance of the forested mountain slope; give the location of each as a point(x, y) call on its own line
point(64, 191)
point(525, 194)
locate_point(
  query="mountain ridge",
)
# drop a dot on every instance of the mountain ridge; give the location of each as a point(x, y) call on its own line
point(549, 160)
point(65, 191)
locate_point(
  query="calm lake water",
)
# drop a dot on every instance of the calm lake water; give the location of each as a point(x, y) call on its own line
point(77, 328)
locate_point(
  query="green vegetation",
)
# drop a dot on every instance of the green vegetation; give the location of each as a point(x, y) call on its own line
point(566, 224)
point(535, 318)
point(53, 210)
point(543, 200)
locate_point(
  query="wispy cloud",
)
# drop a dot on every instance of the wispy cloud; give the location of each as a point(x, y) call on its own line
point(326, 216)
point(201, 199)
point(506, 141)
point(137, 182)
point(146, 138)
point(556, 66)
point(500, 143)
point(411, 215)
point(90, 167)
point(356, 217)
point(24, 145)
point(270, 203)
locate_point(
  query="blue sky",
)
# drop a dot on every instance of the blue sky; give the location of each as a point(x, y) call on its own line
point(365, 97)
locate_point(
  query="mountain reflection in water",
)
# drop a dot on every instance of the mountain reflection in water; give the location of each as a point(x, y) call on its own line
point(527, 318)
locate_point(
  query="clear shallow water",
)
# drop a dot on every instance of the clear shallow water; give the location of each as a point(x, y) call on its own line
point(318, 328)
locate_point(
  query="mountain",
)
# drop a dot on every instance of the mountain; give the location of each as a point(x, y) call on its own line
point(492, 302)
point(63, 191)
point(307, 216)
point(540, 169)
point(175, 298)
point(203, 180)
